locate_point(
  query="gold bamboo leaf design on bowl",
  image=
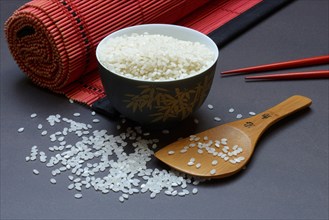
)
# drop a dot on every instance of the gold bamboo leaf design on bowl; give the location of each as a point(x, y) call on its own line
point(146, 98)
point(164, 105)
point(201, 91)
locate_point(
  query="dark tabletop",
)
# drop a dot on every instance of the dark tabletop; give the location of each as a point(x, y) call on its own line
point(286, 179)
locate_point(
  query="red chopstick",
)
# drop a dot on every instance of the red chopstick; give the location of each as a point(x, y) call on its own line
point(318, 60)
point(293, 75)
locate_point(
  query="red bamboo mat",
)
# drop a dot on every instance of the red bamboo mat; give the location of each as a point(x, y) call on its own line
point(54, 41)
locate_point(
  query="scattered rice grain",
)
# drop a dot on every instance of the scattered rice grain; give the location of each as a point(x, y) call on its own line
point(210, 106)
point(71, 186)
point(75, 158)
point(171, 152)
point(239, 116)
point(121, 199)
point(213, 171)
point(78, 195)
point(214, 162)
point(53, 181)
point(183, 150)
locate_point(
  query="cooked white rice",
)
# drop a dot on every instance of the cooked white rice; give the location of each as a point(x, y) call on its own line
point(154, 57)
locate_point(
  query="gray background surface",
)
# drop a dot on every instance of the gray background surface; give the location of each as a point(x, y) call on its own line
point(286, 179)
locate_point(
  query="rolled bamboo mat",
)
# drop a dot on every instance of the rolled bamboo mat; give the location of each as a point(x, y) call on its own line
point(54, 41)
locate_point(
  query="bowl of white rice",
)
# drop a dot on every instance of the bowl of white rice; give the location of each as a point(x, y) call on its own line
point(157, 73)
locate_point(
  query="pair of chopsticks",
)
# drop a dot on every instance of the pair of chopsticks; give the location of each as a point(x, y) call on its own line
point(318, 60)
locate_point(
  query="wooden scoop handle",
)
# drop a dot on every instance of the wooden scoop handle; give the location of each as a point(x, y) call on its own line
point(255, 126)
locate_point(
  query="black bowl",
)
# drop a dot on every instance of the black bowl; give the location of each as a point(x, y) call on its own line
point(158, 102)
